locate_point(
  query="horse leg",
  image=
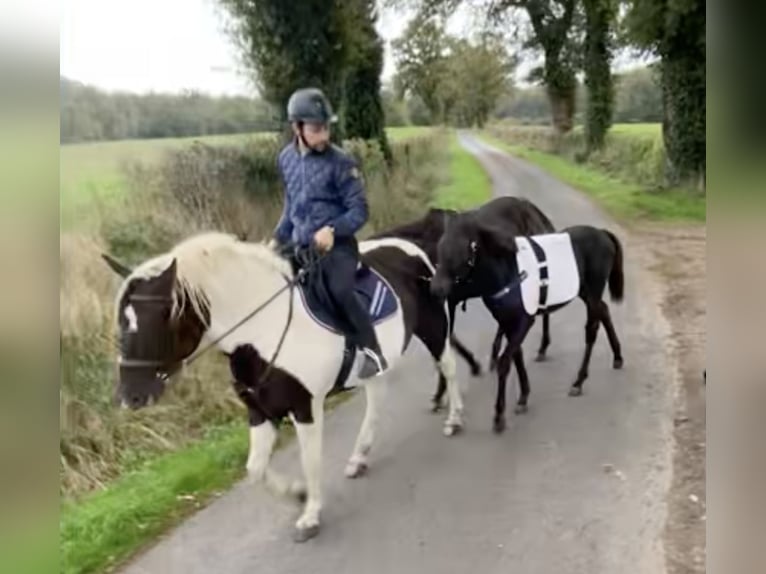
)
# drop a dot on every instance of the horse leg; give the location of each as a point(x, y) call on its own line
point(448, 370)
point(495, 351)
point(503, 368)
point(614, 342)
point(467, 356)
point(358, 463)
point(546, 339)
point(591, 330)
point(310, 439)
point(521, 370)
point(262, 439)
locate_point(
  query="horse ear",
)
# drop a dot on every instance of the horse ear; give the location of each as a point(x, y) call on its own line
point(122, 270)
point(168, 277)
point(497, 238)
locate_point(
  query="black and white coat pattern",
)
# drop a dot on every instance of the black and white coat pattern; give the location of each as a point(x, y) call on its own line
point(175, 303)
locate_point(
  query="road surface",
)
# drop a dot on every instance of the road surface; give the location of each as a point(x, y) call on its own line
point(575, 485)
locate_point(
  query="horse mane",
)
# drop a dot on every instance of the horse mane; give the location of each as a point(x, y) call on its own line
point(200, 257)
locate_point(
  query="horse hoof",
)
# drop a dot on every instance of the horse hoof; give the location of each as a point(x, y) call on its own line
point(436, 407)
point(541, 358)
point(356, 469)
point(303, 534)
point(498, 426)
point(476, 370)
point(575, 391)
point(520, 409)
point(452, 429)
point(617, 364)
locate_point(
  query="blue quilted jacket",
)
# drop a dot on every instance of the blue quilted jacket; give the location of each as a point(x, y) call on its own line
point(320, 189)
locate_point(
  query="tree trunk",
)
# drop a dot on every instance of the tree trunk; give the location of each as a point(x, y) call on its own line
point(598, 76)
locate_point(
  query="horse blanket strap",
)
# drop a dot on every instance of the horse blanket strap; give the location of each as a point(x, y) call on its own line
point(543, 270)
point(510, 287)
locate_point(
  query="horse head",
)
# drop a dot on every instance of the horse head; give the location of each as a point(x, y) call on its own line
point(468, 242)
point(157, 329)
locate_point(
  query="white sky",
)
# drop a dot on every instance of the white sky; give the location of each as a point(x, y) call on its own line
point(142, 45)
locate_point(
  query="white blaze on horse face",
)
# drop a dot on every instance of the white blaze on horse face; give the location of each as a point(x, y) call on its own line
point(132, 318)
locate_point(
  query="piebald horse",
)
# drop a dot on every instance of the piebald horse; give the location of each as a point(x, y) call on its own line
point(284, 359)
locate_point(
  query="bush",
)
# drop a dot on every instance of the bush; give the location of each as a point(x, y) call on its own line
point(632, 155)
point(232, 188)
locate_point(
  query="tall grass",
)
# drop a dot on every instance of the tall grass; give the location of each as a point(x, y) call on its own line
point(232, 188)
point(634, 154)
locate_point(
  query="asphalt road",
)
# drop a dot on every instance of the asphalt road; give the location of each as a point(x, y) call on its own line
point(575, 485)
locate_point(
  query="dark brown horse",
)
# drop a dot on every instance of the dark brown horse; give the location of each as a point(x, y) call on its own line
point(480, 257)
point(518, 216)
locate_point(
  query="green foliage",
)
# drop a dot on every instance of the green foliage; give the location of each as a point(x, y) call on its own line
point(288, 45)
point(90, 114)
point(556, 37)
point(625, 199)
point(676, 32)
point(638, 96)
point(468, 184)
point(394, 109)
point(599, 16)
point(418, 112)
point(364, 114)
point(421, 63)
point(478, 74)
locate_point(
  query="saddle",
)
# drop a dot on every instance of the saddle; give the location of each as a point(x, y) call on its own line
point(372, 289)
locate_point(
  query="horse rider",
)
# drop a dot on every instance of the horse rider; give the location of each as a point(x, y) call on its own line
point(325, 205)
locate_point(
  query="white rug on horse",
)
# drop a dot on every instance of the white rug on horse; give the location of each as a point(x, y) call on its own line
point(563, 277)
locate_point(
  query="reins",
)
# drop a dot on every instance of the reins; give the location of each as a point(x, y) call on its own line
point(312, 261)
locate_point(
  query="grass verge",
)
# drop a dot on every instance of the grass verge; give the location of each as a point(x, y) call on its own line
point(468, 184)
point(623, 200)
point(104, 529)
point(159, 467)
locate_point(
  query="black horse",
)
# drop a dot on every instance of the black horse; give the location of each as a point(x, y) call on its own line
point(478, 258)
point(520, 217)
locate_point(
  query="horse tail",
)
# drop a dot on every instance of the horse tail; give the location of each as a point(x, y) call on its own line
point(616, 275)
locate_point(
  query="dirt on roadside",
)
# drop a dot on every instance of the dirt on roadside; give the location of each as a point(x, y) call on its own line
point(676, 253)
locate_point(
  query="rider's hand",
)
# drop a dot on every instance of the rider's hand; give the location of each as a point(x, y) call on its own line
point(324, 238)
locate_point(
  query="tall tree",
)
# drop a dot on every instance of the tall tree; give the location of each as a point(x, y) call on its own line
point(675, 30)
point(289, 45)
point(364, 115)
point(421, 62)
point(599, 21)
point(479, 73)
point(555, 31)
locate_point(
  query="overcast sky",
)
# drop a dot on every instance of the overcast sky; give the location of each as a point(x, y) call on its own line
point(170, 45)
point(143, 45)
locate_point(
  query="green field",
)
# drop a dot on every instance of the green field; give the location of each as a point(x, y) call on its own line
point(104, 526)
point(91, 172)
point(623, 198)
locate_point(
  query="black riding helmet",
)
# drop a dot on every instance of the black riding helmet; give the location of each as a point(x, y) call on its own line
point(310, 105)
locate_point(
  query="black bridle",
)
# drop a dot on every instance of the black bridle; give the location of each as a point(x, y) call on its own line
point(310, 260)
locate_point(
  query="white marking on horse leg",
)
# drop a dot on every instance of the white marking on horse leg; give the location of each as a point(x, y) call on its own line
point(358, 463)
point(448, 368)
point(130, 315)
point(262, 439)
point(310, 439)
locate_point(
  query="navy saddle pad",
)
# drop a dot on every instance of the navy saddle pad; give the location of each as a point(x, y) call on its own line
point(371, 288)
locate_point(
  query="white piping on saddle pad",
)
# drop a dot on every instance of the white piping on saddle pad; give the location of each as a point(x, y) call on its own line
point(563, 277)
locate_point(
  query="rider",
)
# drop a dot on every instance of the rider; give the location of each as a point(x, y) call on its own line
point(325, 204)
